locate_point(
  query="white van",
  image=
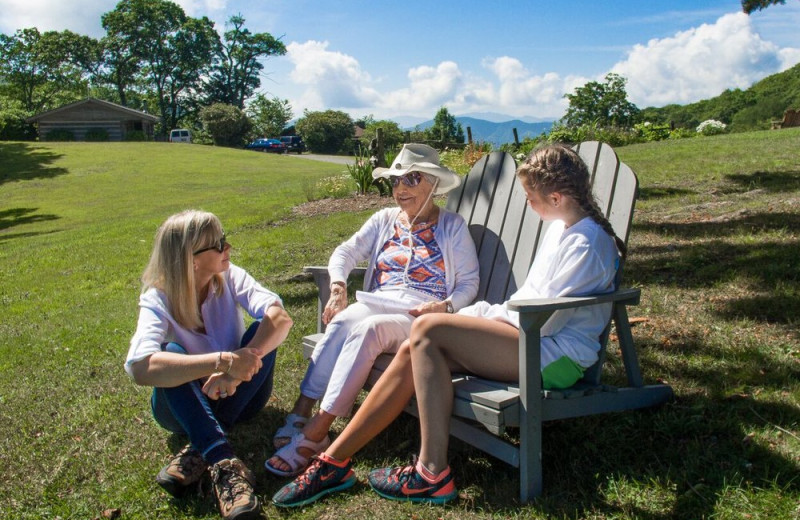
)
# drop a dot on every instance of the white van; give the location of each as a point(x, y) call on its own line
point(180, 135)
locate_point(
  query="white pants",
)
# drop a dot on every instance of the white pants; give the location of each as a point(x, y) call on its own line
point(343, 358)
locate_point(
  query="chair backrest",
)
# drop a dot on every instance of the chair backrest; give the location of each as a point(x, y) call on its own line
point(507, 233)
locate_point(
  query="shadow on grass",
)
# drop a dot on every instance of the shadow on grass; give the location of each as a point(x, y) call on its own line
point(20, 216)
point(22, 162)
point(682, 459)
point(768, 266)
point(775, 182)
point(661, 192)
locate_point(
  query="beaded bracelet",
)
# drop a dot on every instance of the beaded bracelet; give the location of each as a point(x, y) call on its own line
point(219, 361)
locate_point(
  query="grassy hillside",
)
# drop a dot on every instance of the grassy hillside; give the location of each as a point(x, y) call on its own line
point(750, 109)
point(714, 249)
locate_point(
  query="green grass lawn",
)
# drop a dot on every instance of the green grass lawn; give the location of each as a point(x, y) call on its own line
point(714, 248)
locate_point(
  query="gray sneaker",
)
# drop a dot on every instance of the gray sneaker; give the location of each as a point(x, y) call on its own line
point(185, 469)
point(233, 486)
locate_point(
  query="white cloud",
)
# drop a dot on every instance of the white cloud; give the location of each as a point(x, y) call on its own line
point(429, 89)
point(331, 79)
point(701, 62)
point(50, 15)
point(200, 8)
point(47, 15)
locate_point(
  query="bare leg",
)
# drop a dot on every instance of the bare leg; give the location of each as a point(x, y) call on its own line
point(303, 406)
point(441, 343)
point(385, 402)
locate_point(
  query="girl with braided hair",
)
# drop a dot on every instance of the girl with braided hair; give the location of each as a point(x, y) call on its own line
point(578, 257)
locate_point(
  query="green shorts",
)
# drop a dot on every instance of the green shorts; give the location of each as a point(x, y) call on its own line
point(561, 373)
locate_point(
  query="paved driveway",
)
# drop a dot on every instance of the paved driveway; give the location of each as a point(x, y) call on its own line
point(338, 159)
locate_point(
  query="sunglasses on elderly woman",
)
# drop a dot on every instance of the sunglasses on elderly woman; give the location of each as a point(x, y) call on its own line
point(219, 247)
point(409, 179)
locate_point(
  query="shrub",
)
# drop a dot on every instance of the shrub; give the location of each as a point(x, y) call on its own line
point(60, 134)
point(136, 135)
point(711, 127)
point(96, 135)
point(326, 132)
point(337, 187)
point(361, 171)
point(461, 161)
point(650, 132)
point(682, 133)
point(228, 125)
point(614, 136)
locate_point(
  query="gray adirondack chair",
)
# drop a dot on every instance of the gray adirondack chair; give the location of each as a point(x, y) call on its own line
point(507, 235)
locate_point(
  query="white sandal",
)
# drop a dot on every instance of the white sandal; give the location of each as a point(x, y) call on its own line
point(289, 430)
point(291, 455)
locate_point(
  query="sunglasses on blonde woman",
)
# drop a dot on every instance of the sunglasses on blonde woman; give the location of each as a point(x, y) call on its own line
point(409, 179)
point(219, 247)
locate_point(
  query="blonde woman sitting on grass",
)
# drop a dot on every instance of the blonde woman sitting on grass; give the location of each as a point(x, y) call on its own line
point(207, 372)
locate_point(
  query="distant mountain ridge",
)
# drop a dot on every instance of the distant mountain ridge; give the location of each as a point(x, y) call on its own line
point(495, 133)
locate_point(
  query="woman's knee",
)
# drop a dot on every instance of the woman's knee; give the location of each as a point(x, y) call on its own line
point(428, 330)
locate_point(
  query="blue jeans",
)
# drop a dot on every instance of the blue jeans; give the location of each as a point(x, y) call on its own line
point(185, 409)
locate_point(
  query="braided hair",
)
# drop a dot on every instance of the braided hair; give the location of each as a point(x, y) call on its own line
point(558, 168)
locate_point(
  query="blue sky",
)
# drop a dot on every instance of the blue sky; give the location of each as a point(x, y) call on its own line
point(517, 58)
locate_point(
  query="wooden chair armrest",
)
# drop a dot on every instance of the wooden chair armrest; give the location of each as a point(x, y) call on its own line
point(535, 312)
point(538, 305)
point(323, 281)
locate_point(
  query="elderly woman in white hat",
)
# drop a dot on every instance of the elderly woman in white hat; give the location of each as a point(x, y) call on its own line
point(420, 259)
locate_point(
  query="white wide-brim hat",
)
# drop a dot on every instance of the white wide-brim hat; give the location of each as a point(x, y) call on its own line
point(417, 157)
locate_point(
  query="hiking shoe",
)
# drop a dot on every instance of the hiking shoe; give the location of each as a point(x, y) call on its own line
point(185, 469)
point(406, 484)
point(233, 487)
point(323, 477)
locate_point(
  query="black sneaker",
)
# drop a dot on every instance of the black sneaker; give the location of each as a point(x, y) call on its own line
point(233, 486)
point(319, 479)
point(406, 484)
point(185, 469)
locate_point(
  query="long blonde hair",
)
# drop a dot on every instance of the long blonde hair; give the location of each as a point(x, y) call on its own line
point(171, 266)
point(558, 168)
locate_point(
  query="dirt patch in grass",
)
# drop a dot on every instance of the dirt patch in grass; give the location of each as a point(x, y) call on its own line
point(352, 204)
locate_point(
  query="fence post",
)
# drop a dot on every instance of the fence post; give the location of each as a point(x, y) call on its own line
point(381, 148)
point(469, 135)
point(516, 138)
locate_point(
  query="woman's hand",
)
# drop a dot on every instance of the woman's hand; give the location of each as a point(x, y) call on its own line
point(220, 385)
point(425, 308)
point(336, 303)
point(244, 364)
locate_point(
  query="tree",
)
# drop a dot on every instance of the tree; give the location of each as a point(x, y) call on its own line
point(605, 104)
point(325, 132)
point(120, 65)
point(236, 73)
point(392, 133)
point(226, 124)
point(268, 116)
point(43, 70)
point(445, 128)
point(748, 6)
point(174, 51)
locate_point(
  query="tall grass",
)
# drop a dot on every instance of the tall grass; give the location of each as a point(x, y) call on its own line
point(714, 249)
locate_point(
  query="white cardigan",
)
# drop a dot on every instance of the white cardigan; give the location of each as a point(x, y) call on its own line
point(452, 235)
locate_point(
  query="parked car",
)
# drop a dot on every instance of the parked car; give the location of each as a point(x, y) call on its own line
point(293, 143)
point(180, 135)
point(267, 145)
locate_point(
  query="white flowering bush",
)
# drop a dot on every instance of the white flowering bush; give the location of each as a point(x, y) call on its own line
point(711, 127)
